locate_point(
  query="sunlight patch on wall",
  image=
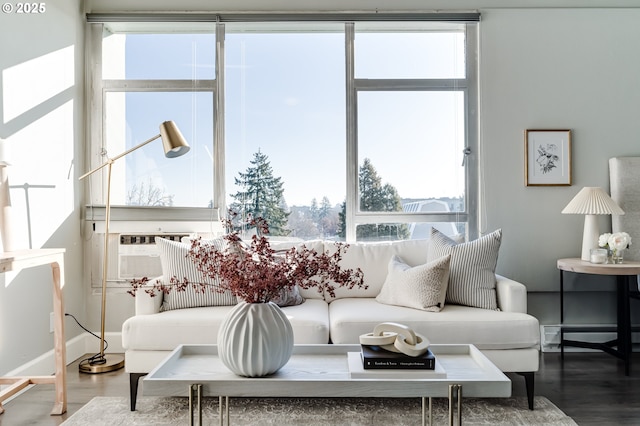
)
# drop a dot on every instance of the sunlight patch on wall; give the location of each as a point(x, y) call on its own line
point(33, 82)
point(41, 177)
point(9, 277)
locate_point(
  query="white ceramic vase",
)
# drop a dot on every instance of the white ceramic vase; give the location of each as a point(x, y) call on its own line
point(255, 339)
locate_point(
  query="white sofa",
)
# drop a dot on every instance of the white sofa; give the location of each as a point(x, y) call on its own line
point(509, 337)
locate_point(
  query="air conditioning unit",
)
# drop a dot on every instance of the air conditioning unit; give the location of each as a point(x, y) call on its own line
point(134, 254)
point(138, 255)
point(130, 256)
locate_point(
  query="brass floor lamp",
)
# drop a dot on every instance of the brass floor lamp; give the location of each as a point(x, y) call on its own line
point(174, 146)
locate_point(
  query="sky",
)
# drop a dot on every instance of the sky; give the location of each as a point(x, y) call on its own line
point(285, 96)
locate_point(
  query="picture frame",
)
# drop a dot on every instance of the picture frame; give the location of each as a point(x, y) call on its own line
point(547, 157)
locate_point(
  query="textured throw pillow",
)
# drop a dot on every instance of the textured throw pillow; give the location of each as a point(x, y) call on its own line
point(419, 287)
point(288, 297)
point(175, 263)
point(472, 278)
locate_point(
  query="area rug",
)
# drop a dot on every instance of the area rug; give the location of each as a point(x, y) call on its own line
point(157, 411)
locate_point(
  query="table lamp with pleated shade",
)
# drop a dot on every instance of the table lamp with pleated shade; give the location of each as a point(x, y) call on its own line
point(591, 201)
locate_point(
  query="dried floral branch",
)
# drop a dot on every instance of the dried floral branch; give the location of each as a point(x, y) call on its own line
point(256, 273)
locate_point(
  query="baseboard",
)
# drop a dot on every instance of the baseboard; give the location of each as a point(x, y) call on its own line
point(550, 339)
point(77, 347)
point(45, 365)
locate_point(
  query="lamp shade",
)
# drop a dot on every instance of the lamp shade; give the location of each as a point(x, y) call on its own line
point(172, 140)
point(592, 200)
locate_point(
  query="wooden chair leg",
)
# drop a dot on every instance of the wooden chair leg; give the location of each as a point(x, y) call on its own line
point(529, 378)
point(134, 380)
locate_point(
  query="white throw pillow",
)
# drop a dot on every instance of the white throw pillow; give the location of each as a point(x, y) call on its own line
point(419, 287)
point(176, 263)
point(472, 272)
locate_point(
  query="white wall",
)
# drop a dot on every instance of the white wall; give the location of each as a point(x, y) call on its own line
point(41, 116)
point(570, 69)
point(541, 67)
point(338, 5)
point(543, 64)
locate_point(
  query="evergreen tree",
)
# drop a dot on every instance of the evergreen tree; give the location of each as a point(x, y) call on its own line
point(314, 211)
point(342, 221)
point(375, 197)
point(323, 217)
point(325, 208)
point(261, 195)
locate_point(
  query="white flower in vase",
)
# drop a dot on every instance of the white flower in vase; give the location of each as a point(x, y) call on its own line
point(615, 243)
point(603, 240)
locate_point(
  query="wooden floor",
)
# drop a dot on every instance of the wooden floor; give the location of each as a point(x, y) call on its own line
point(589, 387)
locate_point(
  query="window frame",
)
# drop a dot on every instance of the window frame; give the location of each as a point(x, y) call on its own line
point(97, 89)
point(468, 85)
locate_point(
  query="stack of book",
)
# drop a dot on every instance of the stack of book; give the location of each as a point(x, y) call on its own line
point(374, 362)
point(375, 357)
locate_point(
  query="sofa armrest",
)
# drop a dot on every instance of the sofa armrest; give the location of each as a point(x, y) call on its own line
point(512, 295)
point(147, 305)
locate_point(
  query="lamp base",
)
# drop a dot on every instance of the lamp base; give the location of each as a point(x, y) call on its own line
point(589, 236)
point(109, 362)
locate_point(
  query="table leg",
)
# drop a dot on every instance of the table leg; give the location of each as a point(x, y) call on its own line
point(455, 393)
point(561, 314)
point(226, 409)
point(424, 411)
point(60, 406)
point(624, 322)
point(430, 411)
point(223, 410)
point(195, 391)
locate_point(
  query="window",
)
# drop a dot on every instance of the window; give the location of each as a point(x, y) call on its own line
point(347, 131)
point(149, 77)
point(412, 97)
point(285, 99)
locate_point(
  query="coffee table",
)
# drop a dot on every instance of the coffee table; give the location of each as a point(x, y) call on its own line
point(323, 371)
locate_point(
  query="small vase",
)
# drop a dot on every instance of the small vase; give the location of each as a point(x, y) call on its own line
point(255, 339)
point(617, 256)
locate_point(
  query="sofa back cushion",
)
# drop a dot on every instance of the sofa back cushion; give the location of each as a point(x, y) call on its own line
point(373, 259)
point(317, 245)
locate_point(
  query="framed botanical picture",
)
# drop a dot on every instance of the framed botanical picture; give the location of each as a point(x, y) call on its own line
point(547, 157)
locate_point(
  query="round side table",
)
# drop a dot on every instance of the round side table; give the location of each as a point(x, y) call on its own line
point(626, 274)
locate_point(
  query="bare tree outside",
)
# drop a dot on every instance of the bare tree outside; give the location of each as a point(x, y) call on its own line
point(148, 195)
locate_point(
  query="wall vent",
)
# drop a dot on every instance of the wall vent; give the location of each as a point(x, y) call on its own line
point(550, 339)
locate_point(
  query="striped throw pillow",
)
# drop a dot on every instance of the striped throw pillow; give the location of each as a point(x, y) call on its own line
point(472, 277)
point(175, 263)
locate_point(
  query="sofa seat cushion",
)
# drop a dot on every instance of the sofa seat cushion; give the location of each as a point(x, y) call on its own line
point(484, 328)
point(167, 330)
